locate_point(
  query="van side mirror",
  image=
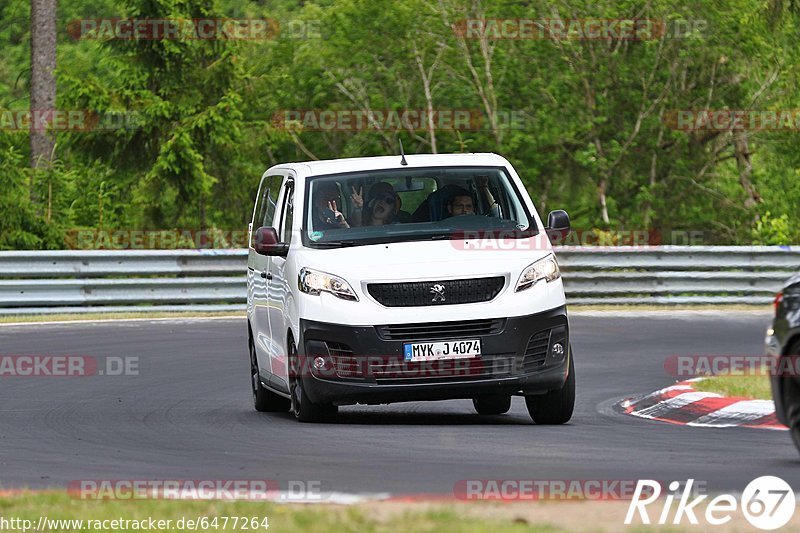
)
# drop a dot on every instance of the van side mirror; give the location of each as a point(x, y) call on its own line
point(266, 242)
point(557, 226)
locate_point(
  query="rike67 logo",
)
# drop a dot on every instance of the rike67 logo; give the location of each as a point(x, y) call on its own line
point(768, 502)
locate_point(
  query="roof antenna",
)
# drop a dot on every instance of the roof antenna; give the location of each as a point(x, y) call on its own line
point(402, 153)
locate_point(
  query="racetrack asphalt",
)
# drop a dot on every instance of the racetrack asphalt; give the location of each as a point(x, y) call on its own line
point(188, 415)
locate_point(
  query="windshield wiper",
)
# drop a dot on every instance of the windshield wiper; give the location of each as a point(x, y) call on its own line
point(418, 237)
point(384, 240)
point(335, 244)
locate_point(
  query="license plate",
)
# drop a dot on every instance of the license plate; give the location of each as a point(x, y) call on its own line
point(434, 351)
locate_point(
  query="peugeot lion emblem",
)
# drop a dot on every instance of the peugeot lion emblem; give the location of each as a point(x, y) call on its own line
point(438, 293)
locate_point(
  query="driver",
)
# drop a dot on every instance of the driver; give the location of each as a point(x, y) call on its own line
point(460, 203)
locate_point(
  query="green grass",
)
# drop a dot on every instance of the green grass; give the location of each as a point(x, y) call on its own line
point(754, 387)
point(434, 516)
point(292, 517)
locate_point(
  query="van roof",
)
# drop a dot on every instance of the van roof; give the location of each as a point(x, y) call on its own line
point(356, 164)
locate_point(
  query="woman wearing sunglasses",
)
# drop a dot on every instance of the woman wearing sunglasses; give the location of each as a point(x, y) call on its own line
point(382, 205)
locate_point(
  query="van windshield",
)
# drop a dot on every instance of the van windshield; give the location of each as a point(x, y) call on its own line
point(415, 204)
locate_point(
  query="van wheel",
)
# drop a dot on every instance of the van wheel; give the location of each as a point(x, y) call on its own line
point(556, 406)
point(264, 400)
point(790, 394)
point(492, 404)
point(303, 408)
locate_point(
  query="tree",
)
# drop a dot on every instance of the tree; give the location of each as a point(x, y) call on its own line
point(185, 95)
point(43, 80)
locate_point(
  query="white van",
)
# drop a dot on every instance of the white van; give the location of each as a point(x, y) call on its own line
point(389, 279)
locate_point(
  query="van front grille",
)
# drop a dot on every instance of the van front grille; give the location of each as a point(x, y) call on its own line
point(436, 292)
point(460, 329)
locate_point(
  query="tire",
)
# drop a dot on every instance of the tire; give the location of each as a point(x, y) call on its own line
point(556, 406)
point(492, 404)
point(302, 407)
point(264, 400)
point(790, 396)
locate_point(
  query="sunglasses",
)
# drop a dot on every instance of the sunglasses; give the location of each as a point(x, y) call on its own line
point(387, 199)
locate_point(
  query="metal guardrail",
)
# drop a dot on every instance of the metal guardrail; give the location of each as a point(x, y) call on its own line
point(214, 280)
point(676, 274)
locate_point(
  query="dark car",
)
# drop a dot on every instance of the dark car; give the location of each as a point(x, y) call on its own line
point(783, 341)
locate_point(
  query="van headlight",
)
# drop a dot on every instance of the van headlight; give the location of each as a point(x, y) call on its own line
point(314, 282)
point(545, 268)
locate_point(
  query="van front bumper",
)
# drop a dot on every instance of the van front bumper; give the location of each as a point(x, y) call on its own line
point(365, 364)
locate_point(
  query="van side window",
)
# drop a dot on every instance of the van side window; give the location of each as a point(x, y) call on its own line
point(265, 202)
point(288, 212)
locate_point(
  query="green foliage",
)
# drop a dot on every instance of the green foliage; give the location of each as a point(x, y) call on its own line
point(585, 122)
point(774, 230)
point(22, 225)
